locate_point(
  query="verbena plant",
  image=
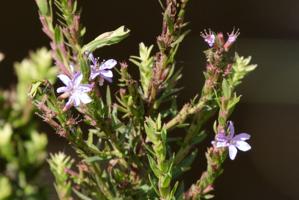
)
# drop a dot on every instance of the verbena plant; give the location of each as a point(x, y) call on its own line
point(22, 147)
point(124, 138)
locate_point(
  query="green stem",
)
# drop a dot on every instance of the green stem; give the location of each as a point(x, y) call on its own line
point(215, 159)
point(102, 186)
point(193, 131)
point(174, 12)
point(183, 114)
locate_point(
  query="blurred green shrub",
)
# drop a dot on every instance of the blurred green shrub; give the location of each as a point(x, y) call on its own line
point(22, 147)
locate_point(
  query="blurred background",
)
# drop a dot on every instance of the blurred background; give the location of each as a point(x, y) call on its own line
point(270, 103)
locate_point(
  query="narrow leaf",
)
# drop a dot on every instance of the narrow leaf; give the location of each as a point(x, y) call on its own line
point(107, 39)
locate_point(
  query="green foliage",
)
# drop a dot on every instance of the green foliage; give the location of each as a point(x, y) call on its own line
point(6, 149)
point(241, 68)
point(145, 63)
point(22, 148)
point(161, 167)
point(59, 164)
point(35, 68)
point(6, 190)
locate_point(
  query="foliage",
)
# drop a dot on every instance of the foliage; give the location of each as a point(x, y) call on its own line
point(22, 148)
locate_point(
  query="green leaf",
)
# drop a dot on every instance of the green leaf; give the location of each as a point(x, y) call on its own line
point(43, 6)
point(159, 122)
point(170, 23)
point(184, 125)
point(180, 38)
point(150, 132)
point(95, 159)
point(58, 37)
point(108, 100)
point(107, 39)
point(199, 138)
point(209, 196)
point(145, 188)
point(153, 166)
point(6, 189)
point(184, 165)
point(180, 191)
point(233, 102)
point(5, 135)
point(215, 127)
point(174, 189)
point(108, 96)
point(80, 195)
point(34, 88)
point(90, 138)
point(226, 89)
point(153, 184)
point(165, 180)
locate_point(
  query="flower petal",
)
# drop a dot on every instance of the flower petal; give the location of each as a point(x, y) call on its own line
point(64, 78)
point(84, 88)
point(69, 104)
point(232, 150)
point(231, 129)
point(106, 73)
point(210, 40)
point(62, 89)
point(94, 74)
point(77, 79)
point(108, 79)
point(92, 58)
point(221, 137)
point(76, 99)
point(109, 64)
point(221, 144)
point(242, 136)
point(243, 146)
point(84, 98)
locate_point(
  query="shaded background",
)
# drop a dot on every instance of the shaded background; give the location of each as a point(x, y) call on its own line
point(269, 108)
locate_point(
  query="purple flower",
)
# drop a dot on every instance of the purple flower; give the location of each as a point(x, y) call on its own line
point(101, 70)
point(232, 37)
point(74, 90)
point(209, 37)
point(231, 141)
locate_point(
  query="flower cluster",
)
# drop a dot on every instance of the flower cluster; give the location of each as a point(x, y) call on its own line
point(75, 91)
point(214, 40)
point(231, 141)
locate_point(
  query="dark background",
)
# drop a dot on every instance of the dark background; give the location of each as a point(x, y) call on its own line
point(269, 108)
